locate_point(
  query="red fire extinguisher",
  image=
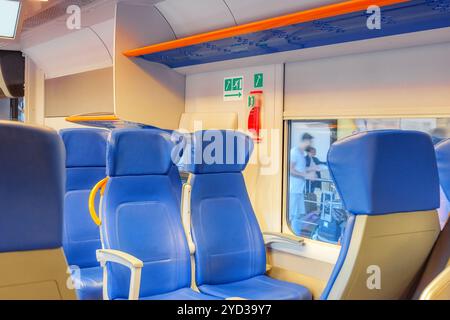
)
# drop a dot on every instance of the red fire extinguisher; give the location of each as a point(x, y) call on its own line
point(255, 102)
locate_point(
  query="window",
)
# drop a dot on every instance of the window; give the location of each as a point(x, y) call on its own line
point(9, 17)
point(314, 208)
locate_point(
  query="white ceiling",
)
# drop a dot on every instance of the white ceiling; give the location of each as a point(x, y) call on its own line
point(189, 17)
point(59, 51)
point(75, 52)
point(252, 10)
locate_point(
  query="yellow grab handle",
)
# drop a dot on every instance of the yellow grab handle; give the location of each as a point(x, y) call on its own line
point(101, 184)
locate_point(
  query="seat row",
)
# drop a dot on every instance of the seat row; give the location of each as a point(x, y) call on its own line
point(146, 252)
point(388, 181)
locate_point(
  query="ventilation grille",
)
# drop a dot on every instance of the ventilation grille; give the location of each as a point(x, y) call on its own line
point(53, 12)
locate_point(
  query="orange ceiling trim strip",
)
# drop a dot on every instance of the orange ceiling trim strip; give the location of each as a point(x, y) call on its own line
point(272, 23)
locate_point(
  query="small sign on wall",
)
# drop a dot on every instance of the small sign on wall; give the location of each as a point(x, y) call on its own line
point(258, 80)
point(233, 89)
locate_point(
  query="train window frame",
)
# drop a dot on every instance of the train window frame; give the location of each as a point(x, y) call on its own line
point(321, 250)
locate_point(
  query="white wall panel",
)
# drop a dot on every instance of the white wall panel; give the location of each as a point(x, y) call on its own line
point(204, 93)
point(403, 82)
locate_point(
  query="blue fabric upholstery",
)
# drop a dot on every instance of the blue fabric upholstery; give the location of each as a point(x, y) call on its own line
point(137, 158)
point(382, 172)
point(228, 239)
point(230, 253)
point(141, 216)
point(85, 166)
point(443, 162)
point(181, 294)
point(345, 244)
point(218, 151)
point(31, 188)
point(88, 145)
point(259, 288)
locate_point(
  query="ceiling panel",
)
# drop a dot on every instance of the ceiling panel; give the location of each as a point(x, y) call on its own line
point(245, 11)
point(75, 52)
point(404, 17)
point(105, 30)
point(189, 17)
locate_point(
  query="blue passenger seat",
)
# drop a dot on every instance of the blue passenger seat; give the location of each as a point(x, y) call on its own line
point(141, 221)
point(32, 261)
point(388, 182)
point(85, 166)
point(230, 252)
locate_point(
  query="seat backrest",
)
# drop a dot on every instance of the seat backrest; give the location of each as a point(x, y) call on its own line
point(141, 213)
point(443, 162)
point(226, 120)
point(440, 255)
point(388, 181)
point(85, 166)
point(33, 265)
point(228, 239)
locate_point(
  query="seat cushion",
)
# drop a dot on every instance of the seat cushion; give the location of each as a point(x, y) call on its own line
point(181, 294)
point(259, 288)
point(89, 283)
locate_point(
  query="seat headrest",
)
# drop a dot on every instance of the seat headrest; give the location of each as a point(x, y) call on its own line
point(382, 172)
point(443, 162)
point(85, 147)
point(133, 152)
point(31, 187)
point(218, 151)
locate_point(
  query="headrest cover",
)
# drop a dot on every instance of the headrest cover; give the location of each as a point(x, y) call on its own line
point(218, 151)
point(382, 172)
point(443, 162)
point(31, 187)
point(133, 152)
point(85, 147)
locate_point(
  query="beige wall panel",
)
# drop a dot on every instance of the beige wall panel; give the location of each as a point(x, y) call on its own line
point(397, 244)
point(85, 92)
point(145, 92)
point(35, 275)
point(310, 273)
point(403, 82)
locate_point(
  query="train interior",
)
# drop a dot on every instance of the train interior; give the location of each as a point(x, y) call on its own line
point(224, 150)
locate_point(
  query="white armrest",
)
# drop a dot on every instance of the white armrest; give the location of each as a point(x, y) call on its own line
point(186, 215)
point(275, 237)
point(134, 264)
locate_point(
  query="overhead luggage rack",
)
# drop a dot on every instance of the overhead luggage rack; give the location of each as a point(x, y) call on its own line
point(327, 25)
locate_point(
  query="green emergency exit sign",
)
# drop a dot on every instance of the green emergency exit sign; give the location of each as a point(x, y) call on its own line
point(233, 88)
point(258, 80)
